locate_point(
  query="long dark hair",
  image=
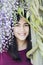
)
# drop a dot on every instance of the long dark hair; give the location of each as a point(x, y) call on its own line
point(13, 48)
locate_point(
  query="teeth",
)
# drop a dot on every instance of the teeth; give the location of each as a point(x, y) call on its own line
point(22, 34)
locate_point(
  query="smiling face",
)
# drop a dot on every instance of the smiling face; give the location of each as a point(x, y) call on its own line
point(21, 29)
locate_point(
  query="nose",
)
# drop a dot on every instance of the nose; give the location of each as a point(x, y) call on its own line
point(22, 29)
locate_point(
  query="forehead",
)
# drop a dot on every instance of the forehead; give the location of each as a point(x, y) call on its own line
point(22, 20)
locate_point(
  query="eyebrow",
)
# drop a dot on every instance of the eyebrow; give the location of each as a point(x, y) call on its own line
point(16, 23)
point(19, 23)
point(25, 23)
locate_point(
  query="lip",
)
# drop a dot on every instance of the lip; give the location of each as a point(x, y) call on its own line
point(22, 34)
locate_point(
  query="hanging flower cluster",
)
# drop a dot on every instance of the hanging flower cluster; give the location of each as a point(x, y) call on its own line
point(5, 23)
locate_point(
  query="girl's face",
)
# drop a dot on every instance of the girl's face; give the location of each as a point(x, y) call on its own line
point(21, 29)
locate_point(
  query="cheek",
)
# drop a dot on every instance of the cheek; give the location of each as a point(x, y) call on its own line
point(15, 30)
point(27, 30)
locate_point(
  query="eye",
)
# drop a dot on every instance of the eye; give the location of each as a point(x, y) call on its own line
point(26, 24)
point(16, 24)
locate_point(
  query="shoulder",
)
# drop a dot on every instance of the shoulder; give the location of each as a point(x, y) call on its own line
point(6, 59)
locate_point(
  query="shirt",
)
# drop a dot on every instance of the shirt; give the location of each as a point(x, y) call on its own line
point(6, 59)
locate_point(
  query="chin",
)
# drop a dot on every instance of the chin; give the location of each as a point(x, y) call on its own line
point(22, 39)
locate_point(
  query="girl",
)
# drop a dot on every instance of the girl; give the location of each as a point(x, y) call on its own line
point(20, 43)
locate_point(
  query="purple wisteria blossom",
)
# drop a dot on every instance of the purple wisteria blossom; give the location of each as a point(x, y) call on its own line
point(5, 22)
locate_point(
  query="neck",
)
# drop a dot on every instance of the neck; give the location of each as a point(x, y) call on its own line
point(21, 45)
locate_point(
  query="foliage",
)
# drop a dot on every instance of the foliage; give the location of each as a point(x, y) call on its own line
point(37, 25)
